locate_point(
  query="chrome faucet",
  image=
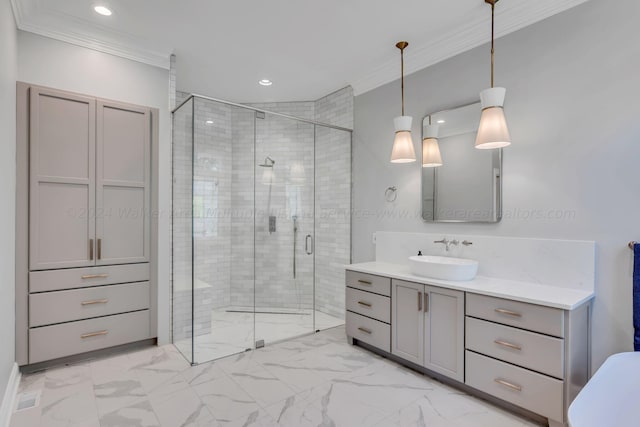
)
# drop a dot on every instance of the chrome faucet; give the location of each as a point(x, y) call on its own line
point(447, 243)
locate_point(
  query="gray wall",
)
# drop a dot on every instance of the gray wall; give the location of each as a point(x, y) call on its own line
point(573, 107)
point(8, 70)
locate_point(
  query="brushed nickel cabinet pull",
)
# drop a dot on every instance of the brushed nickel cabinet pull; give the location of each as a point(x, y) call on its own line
point(90, 249)
point(426, 302)
point(508, 344)
point(365, 330)
point(365, 304)
point(365, 282)
point(95, 301)
point(508, 312)
point(94, 334)
point(99, 249)
point(508, 384)
point(419, 301)
point(95, 276)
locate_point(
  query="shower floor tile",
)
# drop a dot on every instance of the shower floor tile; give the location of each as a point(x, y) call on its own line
point(233, 330)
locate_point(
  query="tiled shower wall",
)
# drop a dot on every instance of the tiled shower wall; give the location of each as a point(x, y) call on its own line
point(224, 167)
point(290, 144)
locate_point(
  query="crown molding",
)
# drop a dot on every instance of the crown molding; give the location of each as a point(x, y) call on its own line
point(450, 44)
point(23, 13)
point(518, 15)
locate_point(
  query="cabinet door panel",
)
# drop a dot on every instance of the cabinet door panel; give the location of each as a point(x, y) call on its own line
point(407, 321)
point(444, 332)
point(123, 183)
point(62, 180)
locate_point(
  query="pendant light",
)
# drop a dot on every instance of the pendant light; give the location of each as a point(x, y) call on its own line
point(493, 131)
point(431, 157)
point(403, 151)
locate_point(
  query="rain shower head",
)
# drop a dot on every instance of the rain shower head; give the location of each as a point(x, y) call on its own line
point(268, 162)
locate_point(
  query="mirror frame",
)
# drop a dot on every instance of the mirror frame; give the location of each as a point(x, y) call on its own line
point(499, 201)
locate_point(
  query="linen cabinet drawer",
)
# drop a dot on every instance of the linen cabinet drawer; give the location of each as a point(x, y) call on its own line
point(65, 306)
point(527, 349)
point(73, 278)
point(532, 317)
point(52, 342)
point(369, 282)
point(530, 390)
point(367, 330)
point(370, 305)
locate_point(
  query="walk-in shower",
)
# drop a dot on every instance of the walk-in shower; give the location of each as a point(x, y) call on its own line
point(261, 223)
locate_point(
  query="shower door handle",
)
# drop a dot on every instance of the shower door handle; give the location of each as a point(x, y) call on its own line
point(308, 244)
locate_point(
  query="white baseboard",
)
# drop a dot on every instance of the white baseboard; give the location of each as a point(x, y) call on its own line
point(9, 400)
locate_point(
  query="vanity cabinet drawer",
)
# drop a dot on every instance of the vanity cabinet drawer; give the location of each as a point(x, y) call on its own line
point(65, 306)
point(369, 283)
point(367, 330)
point(530, 350)
point(368, 304)
point(532, 317)
point(530, 390)
point(74, 278)
point(52, 342)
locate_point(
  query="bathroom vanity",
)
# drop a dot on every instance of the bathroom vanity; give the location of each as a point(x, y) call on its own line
point(523, 344)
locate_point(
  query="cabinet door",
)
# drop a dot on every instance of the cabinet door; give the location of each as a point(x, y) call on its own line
point(444, 332)
point(407, 320)
point(62, 180)
point(123, 163)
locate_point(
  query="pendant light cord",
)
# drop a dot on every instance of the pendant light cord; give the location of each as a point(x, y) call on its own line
point(493, 8)
point(402, 76)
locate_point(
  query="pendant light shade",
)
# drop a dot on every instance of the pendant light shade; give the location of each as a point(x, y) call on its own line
point(431, 157)
point(493, 131)
point(402, 151)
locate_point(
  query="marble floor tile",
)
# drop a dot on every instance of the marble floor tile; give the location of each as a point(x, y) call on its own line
point(257, 418)
point(315, 380)
point(226, 400)
point(69, 405)
point(296, 377)
point(203, 373)
point(137, 415)
point(117, 392)
point(182, 408)
point(264, 387)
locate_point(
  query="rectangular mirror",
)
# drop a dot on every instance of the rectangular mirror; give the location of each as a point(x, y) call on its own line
point(467, 187)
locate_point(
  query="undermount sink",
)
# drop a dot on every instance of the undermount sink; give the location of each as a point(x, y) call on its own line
point(444, 268)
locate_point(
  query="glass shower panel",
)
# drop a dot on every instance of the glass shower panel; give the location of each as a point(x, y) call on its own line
point(333, 223)
point(181, 230)
point(284, 228)
point(223, 201)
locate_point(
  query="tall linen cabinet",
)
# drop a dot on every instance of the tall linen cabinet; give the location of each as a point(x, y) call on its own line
point(84, 276)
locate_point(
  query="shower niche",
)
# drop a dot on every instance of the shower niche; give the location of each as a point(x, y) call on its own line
point(261, 224)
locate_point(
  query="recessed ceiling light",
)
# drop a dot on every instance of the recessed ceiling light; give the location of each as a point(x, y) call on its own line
point(441, 121)
point(265, 82)
point(103, 10)
point(209, 122)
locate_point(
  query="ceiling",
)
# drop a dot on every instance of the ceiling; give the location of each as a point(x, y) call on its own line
point(307, 48)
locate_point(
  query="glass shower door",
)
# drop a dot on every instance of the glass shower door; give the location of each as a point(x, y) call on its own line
point(284, 228)
point(223, 184)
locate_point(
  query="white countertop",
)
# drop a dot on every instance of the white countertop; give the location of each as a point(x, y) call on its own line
point(534, 293)
point(611, 397)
